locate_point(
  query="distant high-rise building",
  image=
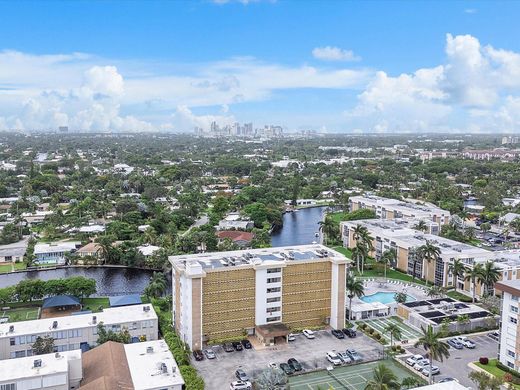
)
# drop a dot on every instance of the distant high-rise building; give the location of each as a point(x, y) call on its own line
point(63, 129)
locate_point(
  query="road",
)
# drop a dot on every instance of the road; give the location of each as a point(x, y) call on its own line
point(199, 222)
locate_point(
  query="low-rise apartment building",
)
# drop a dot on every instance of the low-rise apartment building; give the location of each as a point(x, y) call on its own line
point(77, 331)
point(264, 292)
point(387, 208)
point(509, 347)
point(54, 252)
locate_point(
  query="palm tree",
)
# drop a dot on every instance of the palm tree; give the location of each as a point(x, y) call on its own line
point(415, 257)
point(462, 319)
point(388, 257)
point(474, 274)
point(435, 348)
point(400, 297)
point(490, 274)
point(394, 331)
point(457, 269)
point(354, 288)
point(383, 378)
point(514, 224)
point(469, 232)
point(363, 240)
point(435, 291)
point(484, 381)
point(410, 382)
point(485, 227)
point(329, 228)
point(429, 252)
point(421, 226)
point(270, 379)
point(157, 285)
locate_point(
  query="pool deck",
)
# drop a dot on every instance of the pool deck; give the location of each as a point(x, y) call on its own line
point(373, 287)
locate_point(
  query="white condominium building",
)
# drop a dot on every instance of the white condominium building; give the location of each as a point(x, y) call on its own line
point(509, 347)
point(77, 331)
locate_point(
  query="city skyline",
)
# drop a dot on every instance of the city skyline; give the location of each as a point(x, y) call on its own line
point(327, 67)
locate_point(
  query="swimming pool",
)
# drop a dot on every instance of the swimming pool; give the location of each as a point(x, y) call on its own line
point(384, 297)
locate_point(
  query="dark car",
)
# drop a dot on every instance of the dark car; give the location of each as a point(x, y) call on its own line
point(198, 355)
point(246, 344)
point(494, 335)
point(338, 333)
point(228, 347)
point(295, 364)
point(349, 332)
point(237, 345)
point(455, 344)
point(241, 375)
point(286, 368)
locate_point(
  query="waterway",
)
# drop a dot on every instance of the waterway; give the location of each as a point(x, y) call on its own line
point(299, 227)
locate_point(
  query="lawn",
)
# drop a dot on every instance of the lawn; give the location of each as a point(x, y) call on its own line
point(95, 304)
point(337, 217)
point(494, 370)
point(458, 296)
point(17, 314)
point(4, 268)
point(344, 251)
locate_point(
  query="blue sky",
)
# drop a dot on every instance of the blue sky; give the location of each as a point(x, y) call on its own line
point(336, 66)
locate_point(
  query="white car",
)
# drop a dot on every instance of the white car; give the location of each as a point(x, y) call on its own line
point(435, 370)
point(239, 385)
point(421, 364)
point(334, 358)
point(272, 365)
point(309, 334)
point(291, 337)
point(414, 359)
point(466, 342)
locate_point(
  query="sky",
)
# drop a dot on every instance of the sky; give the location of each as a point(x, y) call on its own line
point(329, 66)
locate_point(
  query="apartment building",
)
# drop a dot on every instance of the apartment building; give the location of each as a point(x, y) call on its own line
point(262, 292)
point(509, 347)
point(386, 208)
point(77, 331)
point(53, 371)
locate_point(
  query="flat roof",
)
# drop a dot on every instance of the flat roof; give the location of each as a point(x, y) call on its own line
point(257, 257)
point(22, 368)
point(145, 365)
point(509, 286)
point(400, 204)
point(116, 315)
point(55, 247)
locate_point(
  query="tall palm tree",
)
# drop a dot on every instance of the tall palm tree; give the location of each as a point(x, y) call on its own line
point(485, 227)
point(462, 319)
point(394, 331)
point(421, 226)
point(415, 257)
point(383, 378)
point(457, 269)
point(354, 288)
point(329, 228)
point(434, 347)
point(429, 252)
point(388, 257)
point(365, 241)
point(157, 285)
point(474, 274)
point(490, 274)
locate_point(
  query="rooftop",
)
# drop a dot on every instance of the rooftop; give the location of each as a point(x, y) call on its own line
point(399, 204)
point(145, 361)
point(110, 316)
point(51, 247)
point(279, 256)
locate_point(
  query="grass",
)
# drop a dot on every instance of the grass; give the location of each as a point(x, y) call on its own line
point(348, 377)
point(20, 313)
point(95, 304)
point(336, 217)
point(458, 296)
point(5, 268)
point(344, 251)
point(494, 370)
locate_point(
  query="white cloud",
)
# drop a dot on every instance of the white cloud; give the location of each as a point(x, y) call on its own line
point(330, 53)
point(185, 120)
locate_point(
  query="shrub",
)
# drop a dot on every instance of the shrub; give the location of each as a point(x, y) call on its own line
point(370, 331)
point(483, 360)
point(377, 336)
point(508, 377)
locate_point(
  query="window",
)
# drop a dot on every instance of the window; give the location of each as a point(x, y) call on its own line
point(275, 299)
point(274, 290)
point(513, 320)
point(514, 309)
point(510, 353)
point(8, 386)
point(19, 340)
point(510, 365)
point(274, 280)
point(272, 309)
point(74, 333)
point(17, 354)
point(12, 341)
point(133, 326)
point(514, 298)
point(274, 270)
point(273, 319)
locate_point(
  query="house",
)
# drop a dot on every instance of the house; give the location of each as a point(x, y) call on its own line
point(147, 249)
point(13, 253)
point(54, 252)
point(123, 168)
point(36, 217)
point(91, 249)
point(509, 217)
point(242, 239)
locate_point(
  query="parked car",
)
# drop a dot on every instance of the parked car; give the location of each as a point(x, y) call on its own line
point(466, 342)
point(198, 355)
point(209, 354)
point(448, 379)
point(455, 344)
point(241, 375)
point(338, 333)
point(349, 332)
point(239, 385)
point(354, 355)
point(287, 369)
point(291, 337)
point(435, 370)
point(494, 335)
point(237, 345)
point(334, 358)
point(246, 344)
point(228, 347)
point(344, 357)
point(414, 359)
point(295, 364)
point(309, 334)
point(421, 364)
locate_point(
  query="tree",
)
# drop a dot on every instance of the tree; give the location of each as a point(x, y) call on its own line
point(415, 257)
point(435, 291)
point(383, 378)
point(490, 274)
point(421, 226)
point(270, 379)
point(435, 348)
point(30, 289)
point(484, 381)
point(119, 337)
point(43, 345)
point(485, 227)
point(81, 287)
point(400, 297)
point(429, 252)
point(473, 275)
point(329, 228)
point(462, 319)
point(514, 224)
point(410, 382)
point(7, 295)
point(354, 288)
point(157, 285)
point(457, 269)
point(394, 331)
point(388, 257)
point(365, 243)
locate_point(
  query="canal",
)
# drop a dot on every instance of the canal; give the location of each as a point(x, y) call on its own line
point(299, 227)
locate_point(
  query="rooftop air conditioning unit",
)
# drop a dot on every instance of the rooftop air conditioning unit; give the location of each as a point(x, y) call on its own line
point(149, 349)
point(37, 363)
point(164, 368)
point(54, 324)
point(146, 308)
point(94, 319)
point(11, 328)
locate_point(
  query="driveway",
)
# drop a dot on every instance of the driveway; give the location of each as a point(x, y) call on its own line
point(220, 372)
point(456, 366)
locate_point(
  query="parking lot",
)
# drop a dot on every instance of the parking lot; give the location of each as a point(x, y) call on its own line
point(220, 372)
point(456, 366)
